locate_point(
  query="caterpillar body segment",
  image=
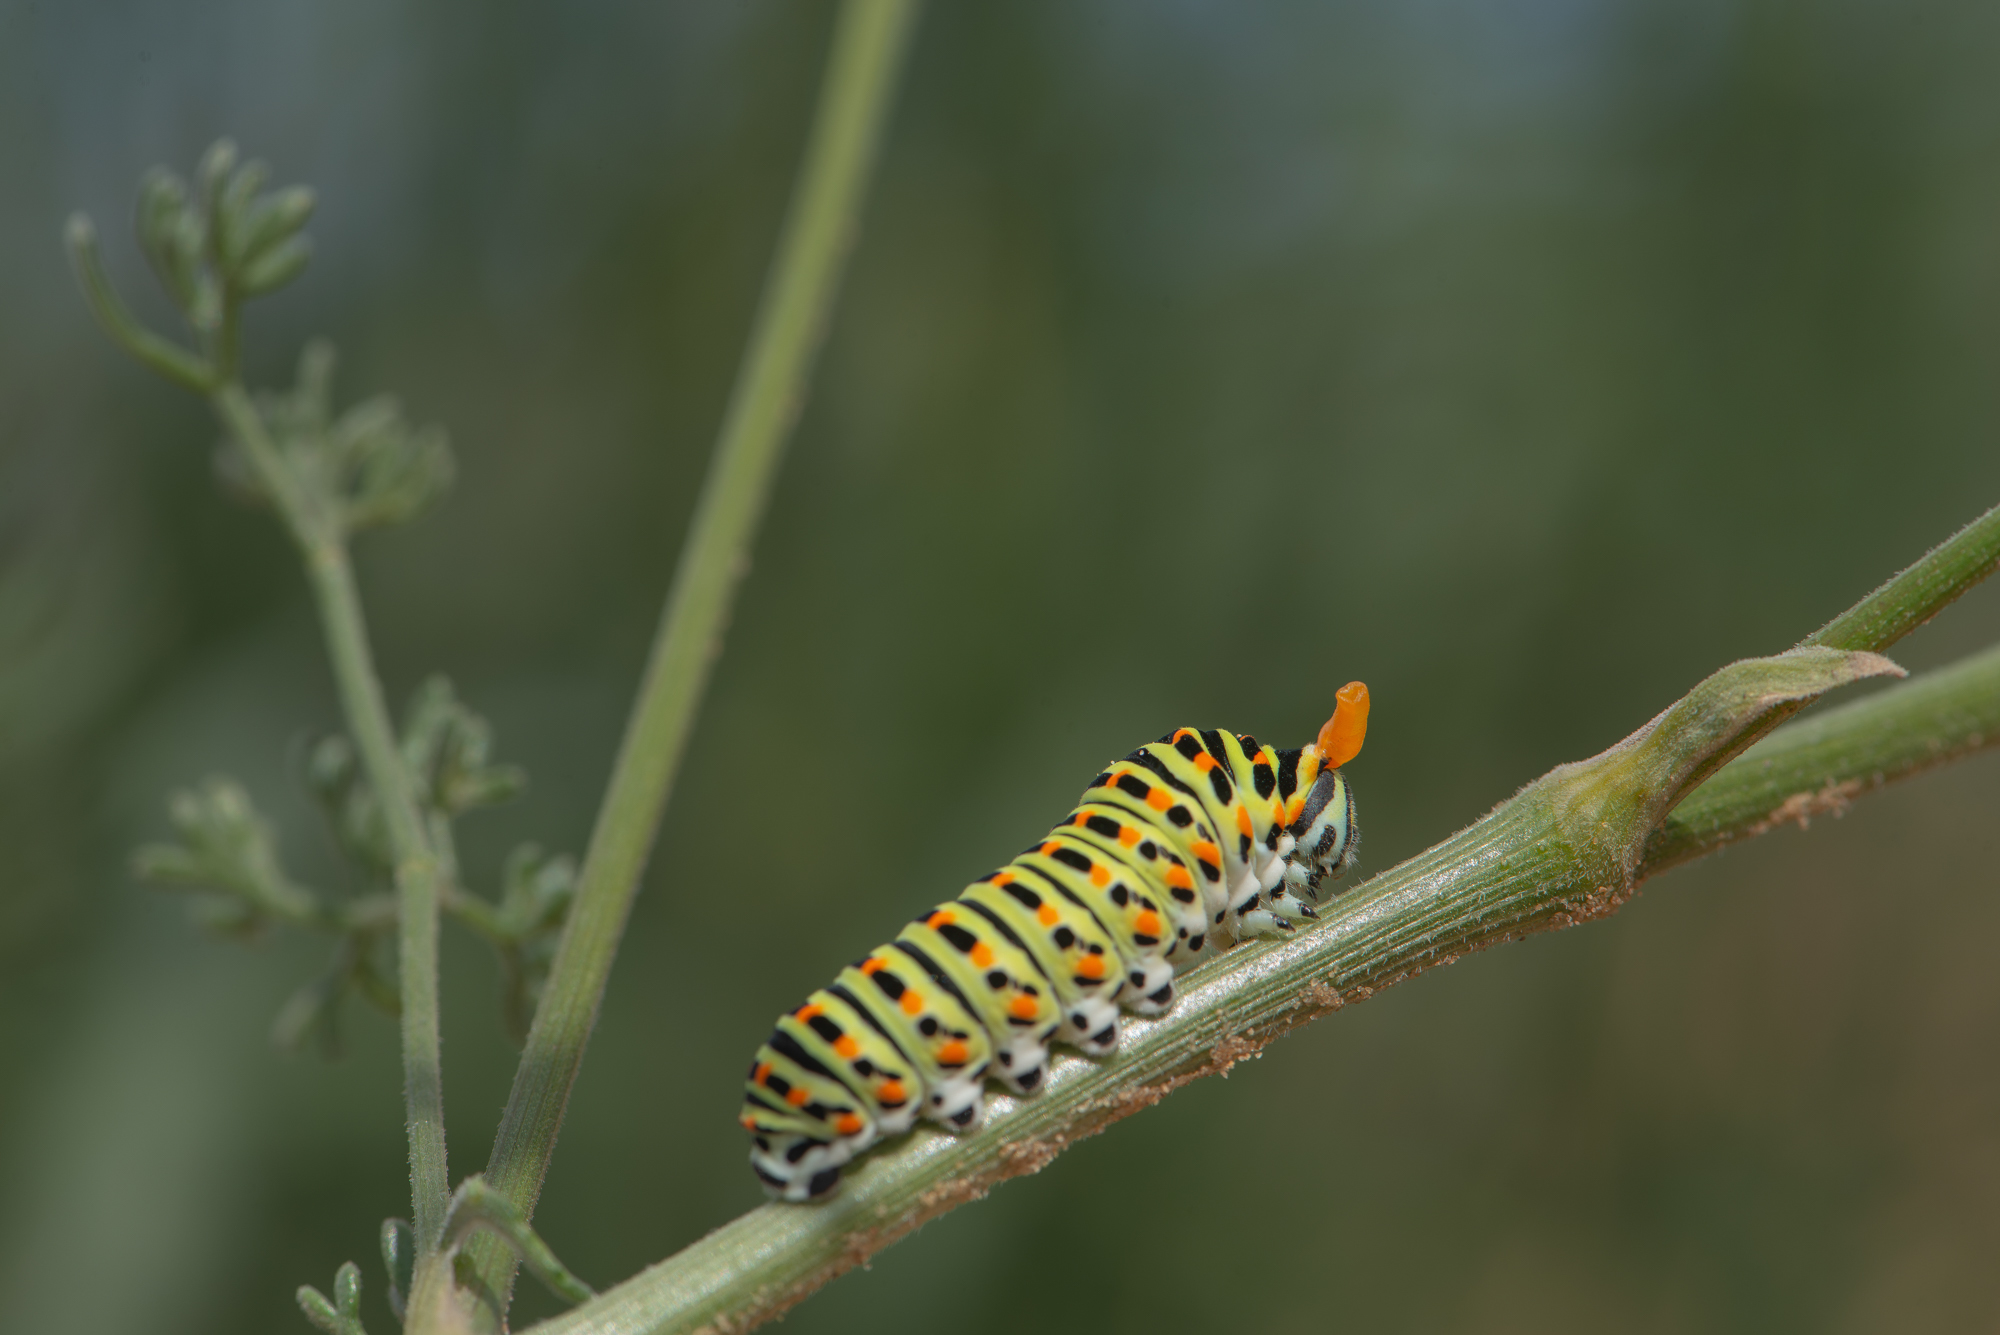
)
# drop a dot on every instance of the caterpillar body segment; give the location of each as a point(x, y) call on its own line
point(949, 1050)
point(1146, 865)
point(1187, 845)
point(1125, 953)
point(1000, 984)
point(1068, 945)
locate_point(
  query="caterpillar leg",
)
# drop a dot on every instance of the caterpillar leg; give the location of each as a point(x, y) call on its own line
point(1020, 1063)
point(1277, 917)
point(798, 1167)
point(958, 1103)
point(1271, 908)
point(1152, 980)
point(1314, 884)
point(1242, 899)
point(1091, 1026)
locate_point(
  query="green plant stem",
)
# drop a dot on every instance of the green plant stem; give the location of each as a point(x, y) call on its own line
point(1502, 879)
point(417, 872)
point(418, 882)
point(1919, 592)
point(1537, 862)
point(770, 389)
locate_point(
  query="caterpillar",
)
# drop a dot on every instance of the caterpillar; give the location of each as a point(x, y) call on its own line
point(1186, 846)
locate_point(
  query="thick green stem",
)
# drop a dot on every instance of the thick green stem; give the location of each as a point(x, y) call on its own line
point(1570, 847)
point(771, 387)
point(1506, 877)
point(418, 875)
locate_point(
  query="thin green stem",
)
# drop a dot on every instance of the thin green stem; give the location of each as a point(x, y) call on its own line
point(1920, 592)
point(418, 881)
point(418, 875)
point(1570, 847)
point(790, 324)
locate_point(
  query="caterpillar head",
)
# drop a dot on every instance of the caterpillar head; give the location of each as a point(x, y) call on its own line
point(1323, 831)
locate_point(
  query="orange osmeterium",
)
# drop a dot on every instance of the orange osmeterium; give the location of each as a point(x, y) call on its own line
point(1340, 740)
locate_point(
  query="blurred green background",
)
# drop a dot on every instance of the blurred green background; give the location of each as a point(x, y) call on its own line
point(1528, 360)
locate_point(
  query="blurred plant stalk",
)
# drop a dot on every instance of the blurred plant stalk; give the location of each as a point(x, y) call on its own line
point(1572, 846)
point(868, 44)
point(214, 249)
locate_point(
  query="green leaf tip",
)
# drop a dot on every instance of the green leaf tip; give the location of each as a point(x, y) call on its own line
point(347, 1288)
point(270, 222)
point(310, 1013)
point(273, 268)
point(342, 1315)
point(215, 167)
point(399, 1259)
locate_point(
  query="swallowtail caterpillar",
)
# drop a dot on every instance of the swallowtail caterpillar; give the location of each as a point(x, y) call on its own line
point(1183, 848)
